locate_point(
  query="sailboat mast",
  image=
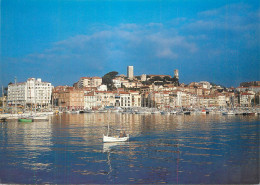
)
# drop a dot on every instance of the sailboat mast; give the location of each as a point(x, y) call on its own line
point(108, 129)
point(34, 97)
point(3, 97)
point(16, 97)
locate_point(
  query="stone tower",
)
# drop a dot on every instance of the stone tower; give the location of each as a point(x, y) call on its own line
point(130, 72)
point(176, 73)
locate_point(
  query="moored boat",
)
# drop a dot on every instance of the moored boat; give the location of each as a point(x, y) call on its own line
point(229, 113)
point(25, 120)
point(40, 118)
point(107, 139)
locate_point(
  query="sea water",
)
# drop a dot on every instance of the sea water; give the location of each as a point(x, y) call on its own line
point(174, 149)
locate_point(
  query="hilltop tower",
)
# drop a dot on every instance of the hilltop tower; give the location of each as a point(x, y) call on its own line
point(130, 72)
point(176, 73)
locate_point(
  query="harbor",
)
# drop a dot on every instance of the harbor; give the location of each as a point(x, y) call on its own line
point(174, 149)
point(41, 115)
point(129, 92)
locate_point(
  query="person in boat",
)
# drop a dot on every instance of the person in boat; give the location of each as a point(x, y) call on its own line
point(122, 134)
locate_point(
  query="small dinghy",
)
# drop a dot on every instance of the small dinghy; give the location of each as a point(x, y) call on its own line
point(121, 138)
point(107, 139)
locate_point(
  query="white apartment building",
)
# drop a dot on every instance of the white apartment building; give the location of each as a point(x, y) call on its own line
point(222, 100)
point(90, 101)
point(31, 92)
point(125, 100)
point(135, 99)
point(245, 99)
point(193, 100)
point(181, 98)
point(104, 98)
point(159, 99)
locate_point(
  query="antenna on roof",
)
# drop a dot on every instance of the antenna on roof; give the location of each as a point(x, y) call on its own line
point(15, 79)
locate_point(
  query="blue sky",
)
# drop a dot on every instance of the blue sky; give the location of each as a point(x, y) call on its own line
point(63, 40)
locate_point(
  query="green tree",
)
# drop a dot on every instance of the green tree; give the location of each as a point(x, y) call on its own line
point(157, 78)
point(167, 78)
point(175, 81)
point(255, 101)
point(107, 79)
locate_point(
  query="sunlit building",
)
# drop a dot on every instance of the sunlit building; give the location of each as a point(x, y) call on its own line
point(33, 92)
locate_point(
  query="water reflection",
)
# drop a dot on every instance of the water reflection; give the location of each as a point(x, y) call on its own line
point(162, 149)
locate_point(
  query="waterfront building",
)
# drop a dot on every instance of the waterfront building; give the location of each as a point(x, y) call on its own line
point(221, 100)
point(245, 99)
point(125, 99)
point(181, 99)
point(69, 98)
point(90, 101)
point(193, 100)
point(159, 99)
point(33, 92)
point(104, 98)
point(56, 94)
point(208, 101)
point(135, 99)
point(130, 72)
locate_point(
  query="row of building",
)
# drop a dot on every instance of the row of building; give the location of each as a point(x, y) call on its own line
point(91, 93)
point(43, 94)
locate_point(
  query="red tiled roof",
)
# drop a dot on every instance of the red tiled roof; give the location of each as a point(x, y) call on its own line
point(96, 77)
point(246, 93)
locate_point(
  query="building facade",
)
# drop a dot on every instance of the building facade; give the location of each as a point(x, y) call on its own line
point(33, 92)
point(89, 82)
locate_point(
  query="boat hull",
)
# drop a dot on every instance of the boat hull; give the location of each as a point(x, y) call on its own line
point(25, 120)
point(108, 139)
